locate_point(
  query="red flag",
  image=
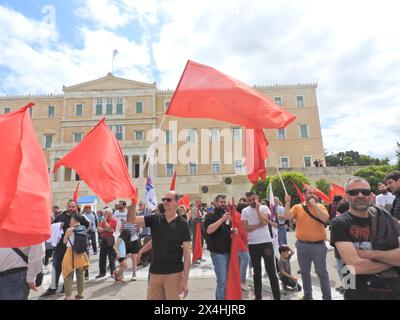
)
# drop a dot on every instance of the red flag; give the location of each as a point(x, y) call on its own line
point(331, 194)
point(233, 286)
point(76, 193)
point(319, 193)
point(256, 154)
point(185, 200)
point(338, 189)
point(299, 193)
point(25, 195)
point(106, 174)
point(197, 249)
point(172, 187)
point(204, 92)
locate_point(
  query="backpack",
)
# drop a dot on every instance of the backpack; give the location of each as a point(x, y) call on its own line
point(80, 239)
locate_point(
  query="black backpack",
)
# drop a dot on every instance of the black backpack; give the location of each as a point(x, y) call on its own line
point(80, 239)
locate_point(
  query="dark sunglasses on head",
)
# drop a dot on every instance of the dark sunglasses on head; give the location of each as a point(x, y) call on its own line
point(355, 192)
point(166, 199)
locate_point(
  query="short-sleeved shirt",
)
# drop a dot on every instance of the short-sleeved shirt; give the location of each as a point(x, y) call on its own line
point(385, 201)
point(113, 224)
point(220, 240)
point(122, 248)
point(119, 216)
point(280, 212)
point(132, 228)
point(308, 229)
point(168, 238)
point(349, 228)
point(285, 265)
point(260, 235)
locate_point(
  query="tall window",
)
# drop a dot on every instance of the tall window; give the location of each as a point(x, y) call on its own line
point(307, 161)
point(119, 133)
point(51, 111)
point(139, 107)
point(168, 137)
point(192, 167)
point(31, 112)
point(139, 135)
point(166, 105)
point(78, 137)
point(119, 106)
point(170, 169)
point(7, 110)
point(237, 134)
point(238, 165)
point(303, 131)
point(281, 133)
point(191, 137)
point(216, 168)
point(99, 107)
point(109, 106)
point(48, 141)
point(300, 101)
point(214, 135)
point(284, 162)
point(79, 109)
point(278, 101)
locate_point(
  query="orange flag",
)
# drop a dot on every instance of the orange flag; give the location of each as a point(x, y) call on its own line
point(25, 195)
point(172, 187)
point(233, 287)
point(256, 154)
point(299, 193)
point(185, 200)
point(204, 92)
point(197, 249)
point(76, 193)
point(106, 173)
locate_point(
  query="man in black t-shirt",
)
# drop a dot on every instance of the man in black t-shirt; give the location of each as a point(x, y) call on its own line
point(218, 238)
point(170, 234)
point(392, 180)
point(351, 235)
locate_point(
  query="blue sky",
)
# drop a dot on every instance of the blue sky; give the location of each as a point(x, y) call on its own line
point(351, 48)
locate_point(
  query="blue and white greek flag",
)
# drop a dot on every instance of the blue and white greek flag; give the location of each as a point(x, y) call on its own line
point(150, 197)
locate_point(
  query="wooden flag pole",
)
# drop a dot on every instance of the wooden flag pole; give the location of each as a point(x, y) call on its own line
point(279, 173)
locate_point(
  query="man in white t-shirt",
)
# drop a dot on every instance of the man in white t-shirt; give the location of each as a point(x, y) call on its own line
point(120, 215)
point(385, 199)
point(255, 221)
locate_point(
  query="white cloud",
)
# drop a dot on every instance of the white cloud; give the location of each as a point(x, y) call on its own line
point(38, 63)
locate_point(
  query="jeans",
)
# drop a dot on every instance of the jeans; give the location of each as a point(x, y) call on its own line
point(221, 264)
point(244, 259)
point(266, 252)
point(14, 286)
point(58, 256)
point(282, 235)
point(313, 253)
point(339, 267)
point(92, 239)
point(105, 251)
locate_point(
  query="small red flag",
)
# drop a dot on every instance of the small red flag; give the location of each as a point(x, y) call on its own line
point(185, 200)
point(172, 187)
point(233, 286)
point(331, 194)
point(319, 193)
point(338, 190)
point(25, 194)
point(204, 92)
point(76, 193)
point(106, 174)
point(299, 193)
point(197, 249)
point(256, 154)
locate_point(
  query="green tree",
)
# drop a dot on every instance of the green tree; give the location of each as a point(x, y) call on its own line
point(375, 174)
point(398, 155)
point(323, 185)
point(348, 161)
point(261, 188)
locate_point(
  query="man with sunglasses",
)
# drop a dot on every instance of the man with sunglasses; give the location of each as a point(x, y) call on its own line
point(351, 234)
point(170, 234)
point(392, 181)
point(311, 218)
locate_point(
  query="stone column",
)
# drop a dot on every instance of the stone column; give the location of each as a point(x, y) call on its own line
point(130, 165)
point(141, 162)
point(61, 172)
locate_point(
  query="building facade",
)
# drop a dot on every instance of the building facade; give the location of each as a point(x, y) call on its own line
point(203, 152)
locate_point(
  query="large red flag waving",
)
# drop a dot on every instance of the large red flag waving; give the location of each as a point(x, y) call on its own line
point(172, 187)
point(107, 175)
point(76, 193)
point(25, 195)
point(338, 190)
point(233, 287)
point(256, 154)
point(204, 92)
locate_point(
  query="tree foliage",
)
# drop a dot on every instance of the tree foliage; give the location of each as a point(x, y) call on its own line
point(323, 185)
point(353, 158)
point(375, 174)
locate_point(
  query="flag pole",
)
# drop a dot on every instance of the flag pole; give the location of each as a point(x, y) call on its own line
point(279, 173)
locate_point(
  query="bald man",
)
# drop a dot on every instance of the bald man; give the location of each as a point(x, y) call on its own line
point(170, 265)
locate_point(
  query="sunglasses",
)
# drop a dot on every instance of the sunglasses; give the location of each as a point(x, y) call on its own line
point(166, 199)
point(356, 192)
